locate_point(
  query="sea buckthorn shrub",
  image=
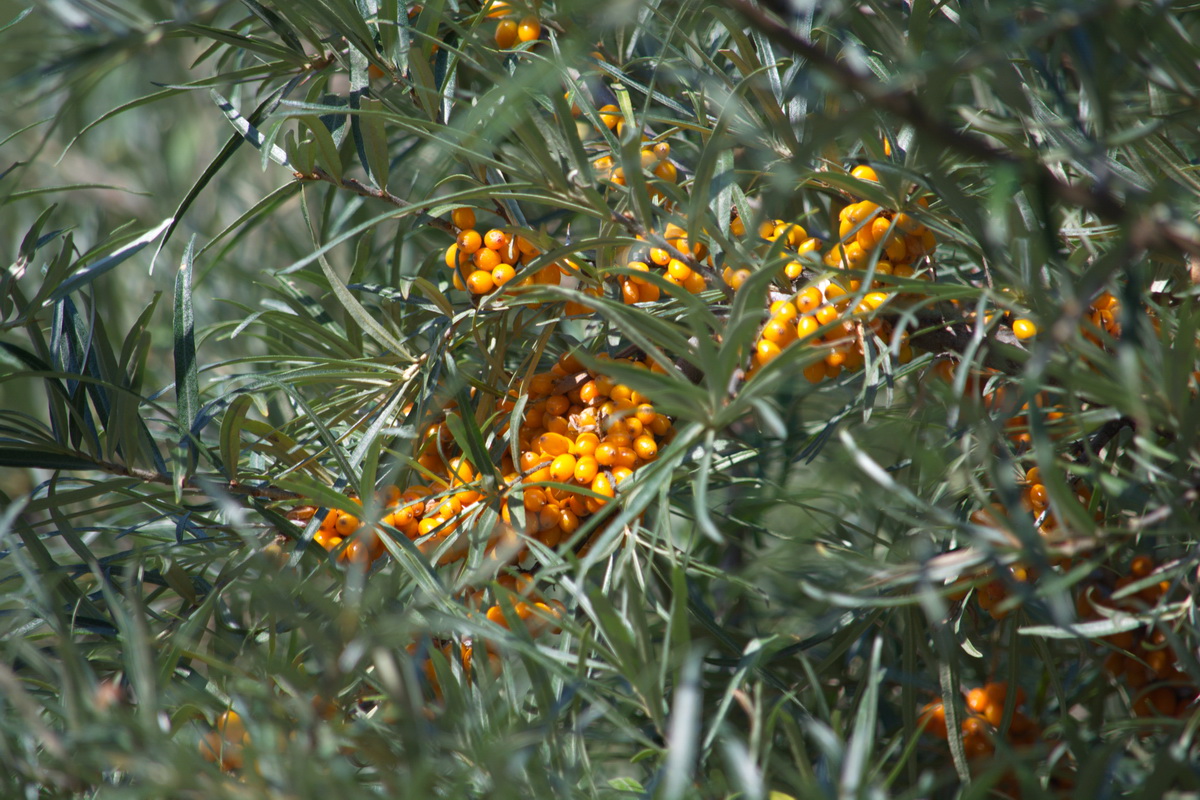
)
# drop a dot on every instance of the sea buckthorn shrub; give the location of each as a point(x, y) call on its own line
point(600, 400)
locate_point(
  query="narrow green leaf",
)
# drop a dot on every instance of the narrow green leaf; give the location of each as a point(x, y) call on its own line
point(331, 159)
point(187, 385)
point(231, 434)
point(375, 142)
point(94, 270)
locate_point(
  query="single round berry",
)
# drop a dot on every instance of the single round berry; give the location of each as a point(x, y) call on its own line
point(506, 33)
point(529, 29)
point(480, 282)
point(1024, 329)
point(463, 218)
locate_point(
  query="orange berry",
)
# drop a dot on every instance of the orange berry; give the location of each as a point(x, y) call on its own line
point(629, 293)
point(695, 283)
point(229, 723)
point(806, 326)
point(485, 259)
point(601, 485)
point(553, 444)
point(346, 524)
point(562, 469)
point(766, 351)
point(610, 115)
point(864, 173)
point(506, 34)
point(678, 270)
point(1141, 566)
point(469, 241)
point(530, 29)
point(933, 717)
point(586, 469)
point(809, 299)
point(737, 278)
point(502, 274)
point(496, 239)
point(1024, 328)
point(779, 331)
point(826, 314)
point(606, 454)
point(480, 282)
point(977, 700)
point(645, 446)
point(463, 218)
point(815, 372)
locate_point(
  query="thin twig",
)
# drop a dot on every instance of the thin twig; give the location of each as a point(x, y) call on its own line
point(360, 188)
point(150, 476)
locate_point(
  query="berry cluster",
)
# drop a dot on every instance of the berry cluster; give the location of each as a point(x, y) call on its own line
point(655, 156)
point(866, 231)
point(485, 262)
point(1103, 315)
point(509, 30)
point(582, 429)
point(579, 428)
point(803, 317)
point(224, 745)
point(635, 289)
point(1144, 660)
point(866, 228)
point(983, 724)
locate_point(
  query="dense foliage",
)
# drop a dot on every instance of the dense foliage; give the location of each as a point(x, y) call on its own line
point(643, 398)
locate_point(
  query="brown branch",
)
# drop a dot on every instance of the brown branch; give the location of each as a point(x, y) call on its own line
point(1144, 231)
point(360, 188)
point(150, 476)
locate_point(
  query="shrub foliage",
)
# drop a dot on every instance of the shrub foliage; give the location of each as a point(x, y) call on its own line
point(644, 398)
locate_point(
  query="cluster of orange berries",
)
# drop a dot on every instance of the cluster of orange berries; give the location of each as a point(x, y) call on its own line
point(796, 240)
point(635, 289)
point(224, 745)
point(509, 31)
point(529, 608)
point(485, 262)
point(865, 227)
point(582, 429)
point(1103, 315)
point(982, 725)
point(992, 594)
point(337, 526)
point(799, 319)
point(1035, 499)
point(1145, 661)
point(988, 387)
point(579, 428)
point(655, 157)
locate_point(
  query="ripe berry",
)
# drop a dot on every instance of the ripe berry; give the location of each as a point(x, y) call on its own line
point(1024, 329)
point(480, 282)
point(864, 173)
point(469, 241)
point(502, 274)
point(610, 115)
point(530, 29)
point(485, 259)
point(463, 218)
point(506, 34)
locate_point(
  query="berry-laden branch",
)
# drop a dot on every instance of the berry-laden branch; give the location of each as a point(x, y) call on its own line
point(1145, 231)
